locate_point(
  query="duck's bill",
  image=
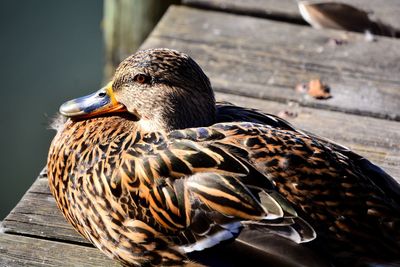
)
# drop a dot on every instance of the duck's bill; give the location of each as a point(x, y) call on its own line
point(101, 102)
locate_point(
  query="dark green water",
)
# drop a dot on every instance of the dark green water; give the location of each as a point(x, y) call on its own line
point(50, 51)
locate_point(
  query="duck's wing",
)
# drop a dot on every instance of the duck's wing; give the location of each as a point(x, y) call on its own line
point(207, 195)
point(251, 248)
point(374, 173)
point(203, 192)
point(228, 112)
point(328, 183)
point(233, 177)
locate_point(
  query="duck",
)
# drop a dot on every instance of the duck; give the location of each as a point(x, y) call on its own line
point(152, 169)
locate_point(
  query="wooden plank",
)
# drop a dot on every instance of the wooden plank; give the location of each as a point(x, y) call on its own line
point(37, 215)
point(25, 251)
point(267, 59)
point(386, 11)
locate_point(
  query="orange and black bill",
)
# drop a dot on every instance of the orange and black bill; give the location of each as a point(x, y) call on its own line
point(101, 102)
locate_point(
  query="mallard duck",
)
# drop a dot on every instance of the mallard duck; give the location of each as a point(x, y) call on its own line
point(151, 168)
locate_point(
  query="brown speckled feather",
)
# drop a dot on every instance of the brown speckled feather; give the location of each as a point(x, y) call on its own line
point(157, 181)
point(180, 188)
point(176, 173)
point(353, 204)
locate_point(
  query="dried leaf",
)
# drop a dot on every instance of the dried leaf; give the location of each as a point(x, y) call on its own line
point(318, 90)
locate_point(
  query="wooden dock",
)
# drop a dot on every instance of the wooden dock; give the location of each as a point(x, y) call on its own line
point(255, 53)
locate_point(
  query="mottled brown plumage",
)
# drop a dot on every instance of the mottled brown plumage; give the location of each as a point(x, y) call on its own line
point(174, 173)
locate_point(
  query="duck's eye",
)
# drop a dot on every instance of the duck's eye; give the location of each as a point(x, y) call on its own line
point(141, 78)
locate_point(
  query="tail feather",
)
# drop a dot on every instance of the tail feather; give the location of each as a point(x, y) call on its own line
point(260, 249)
point(278, 248)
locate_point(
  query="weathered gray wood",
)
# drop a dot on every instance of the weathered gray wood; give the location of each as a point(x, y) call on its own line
point(25, 251)
point(267, 59)
point(37, 215)
point(387, 10)
point(126, 24)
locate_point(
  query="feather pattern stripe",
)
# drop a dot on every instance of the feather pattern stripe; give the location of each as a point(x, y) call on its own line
point(151, 167)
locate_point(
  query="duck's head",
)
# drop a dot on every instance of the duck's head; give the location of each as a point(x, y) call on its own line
point(164, 89)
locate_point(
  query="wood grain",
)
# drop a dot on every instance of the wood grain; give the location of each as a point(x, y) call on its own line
point(386, 11)
point(37, 215)
point(25, 251)
point(266, 59)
